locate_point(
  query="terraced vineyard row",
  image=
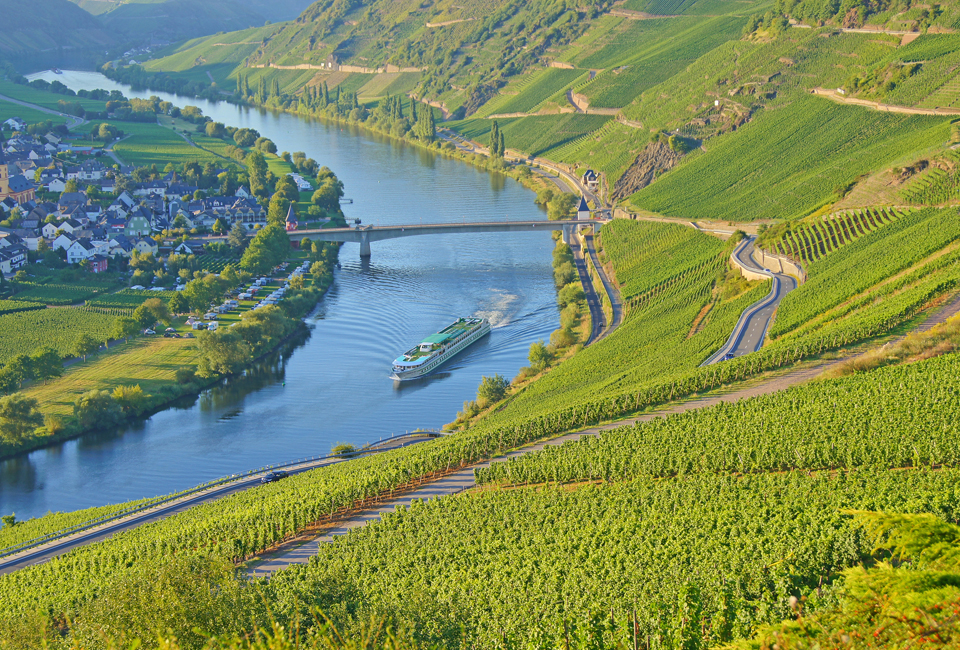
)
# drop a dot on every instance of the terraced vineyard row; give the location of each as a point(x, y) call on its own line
point(893, 417)
point(690, 562)
point(866, 262)
point(810, 240)
point(58, 328)
point(934, 185)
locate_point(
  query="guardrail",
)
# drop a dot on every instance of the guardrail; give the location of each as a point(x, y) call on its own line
point(153, 503)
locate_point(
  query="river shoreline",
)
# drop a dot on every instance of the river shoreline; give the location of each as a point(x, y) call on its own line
point(191, 391)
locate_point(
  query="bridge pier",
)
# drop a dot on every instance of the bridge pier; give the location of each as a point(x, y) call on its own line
point(364, 244)
point(568, 233)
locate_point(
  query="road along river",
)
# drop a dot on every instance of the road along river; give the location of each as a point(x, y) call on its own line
point(334, 386)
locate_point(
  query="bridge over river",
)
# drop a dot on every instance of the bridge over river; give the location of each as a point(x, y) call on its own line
point(365, 235)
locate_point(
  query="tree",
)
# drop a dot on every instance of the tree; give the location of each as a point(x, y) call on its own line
point(268, 248)
point(124, 327)
point(257, 173)
point(20, 368)
point(83, 345)
point(159, 309)
point(9, 521)
point(561, 206)
point(277, 213)
point(97, 407)
point(222, 352)
point(570, 294)
point(144, 317)
point(201, 292)
point(492, 389)
point(219, 226)
point(19, 417)
point(238, 236)
point(71, 186)
point(178, 304)
point(494, 138)
point(540, 356)
point(47, 363)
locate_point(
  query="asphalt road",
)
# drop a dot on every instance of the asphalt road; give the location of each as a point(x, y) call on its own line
point(597, 318)
point(751, 330)
point(58, 547)
point(614, 296)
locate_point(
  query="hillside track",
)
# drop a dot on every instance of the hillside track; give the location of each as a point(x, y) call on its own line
point(74, 120)
point(299, 551)
point(41, 554)
point(887, 108)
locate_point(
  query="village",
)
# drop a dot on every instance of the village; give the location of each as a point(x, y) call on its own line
point(84, 228)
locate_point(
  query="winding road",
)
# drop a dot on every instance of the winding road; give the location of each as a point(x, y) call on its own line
point(751, 330)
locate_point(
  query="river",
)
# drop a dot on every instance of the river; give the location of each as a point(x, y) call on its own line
point(333, 387)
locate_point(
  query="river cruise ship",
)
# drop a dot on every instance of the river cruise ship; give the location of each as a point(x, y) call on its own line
point(439, 348)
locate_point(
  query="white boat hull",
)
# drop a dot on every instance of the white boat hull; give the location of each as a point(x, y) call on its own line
point(443, 357)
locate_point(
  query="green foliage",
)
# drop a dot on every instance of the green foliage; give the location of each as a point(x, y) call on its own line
point(889, 418)
point(57, 328)
point(864, 263)
point(540, 355)
point(267, 249)
point(808, 241)
point(492, 389)
point(19, 417)
point(97, 407)
point(798, 154)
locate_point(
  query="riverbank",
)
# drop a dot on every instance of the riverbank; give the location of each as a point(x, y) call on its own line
point(170, 395)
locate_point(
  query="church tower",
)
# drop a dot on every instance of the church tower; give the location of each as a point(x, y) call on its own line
point(4, 175)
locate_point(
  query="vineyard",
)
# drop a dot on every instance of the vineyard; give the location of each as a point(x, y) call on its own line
point(934, 185)
point(212, 263)
point(539, 88)
point(688, 562)
point(900, 416)
point(127, 298)
point(798, 154)
point(808, 241)
point(14, 306)
point(56, 294)
point(58, 328)
point(866, 262)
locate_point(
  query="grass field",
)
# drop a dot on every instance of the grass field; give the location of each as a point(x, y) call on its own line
point(148, 362)
point(152, 144)
point(44, 98)
point(28, 115)
point(789, 161)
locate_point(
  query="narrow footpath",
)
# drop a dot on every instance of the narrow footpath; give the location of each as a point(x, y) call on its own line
point(300, 550)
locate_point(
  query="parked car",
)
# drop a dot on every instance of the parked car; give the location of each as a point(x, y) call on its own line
point(169, 329)
point(149, 331)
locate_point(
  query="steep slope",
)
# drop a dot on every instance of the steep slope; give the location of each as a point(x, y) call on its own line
point(42, 33)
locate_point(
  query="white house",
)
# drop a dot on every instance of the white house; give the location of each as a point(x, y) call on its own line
point(57, 185)
point(63, 241)
point(16, 124)
point(147, 245)
point(82, 249)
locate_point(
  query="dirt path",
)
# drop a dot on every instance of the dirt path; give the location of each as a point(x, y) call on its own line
point(877, 106)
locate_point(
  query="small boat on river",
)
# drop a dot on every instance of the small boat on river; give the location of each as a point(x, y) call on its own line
point(437, 349)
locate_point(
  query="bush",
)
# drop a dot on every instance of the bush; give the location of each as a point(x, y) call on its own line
point(186, 375)
point(562, 338)
point(564, 274)
point(492, 389)
point(570, 294)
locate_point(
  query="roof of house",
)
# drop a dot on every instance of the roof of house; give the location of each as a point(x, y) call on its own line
point(291, 214)
point(582, 206)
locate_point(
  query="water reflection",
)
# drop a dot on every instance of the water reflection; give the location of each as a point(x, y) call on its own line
point(332, 384)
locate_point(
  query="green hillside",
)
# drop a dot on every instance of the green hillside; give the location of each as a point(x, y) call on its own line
point(828, 129)
point(51, 32)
